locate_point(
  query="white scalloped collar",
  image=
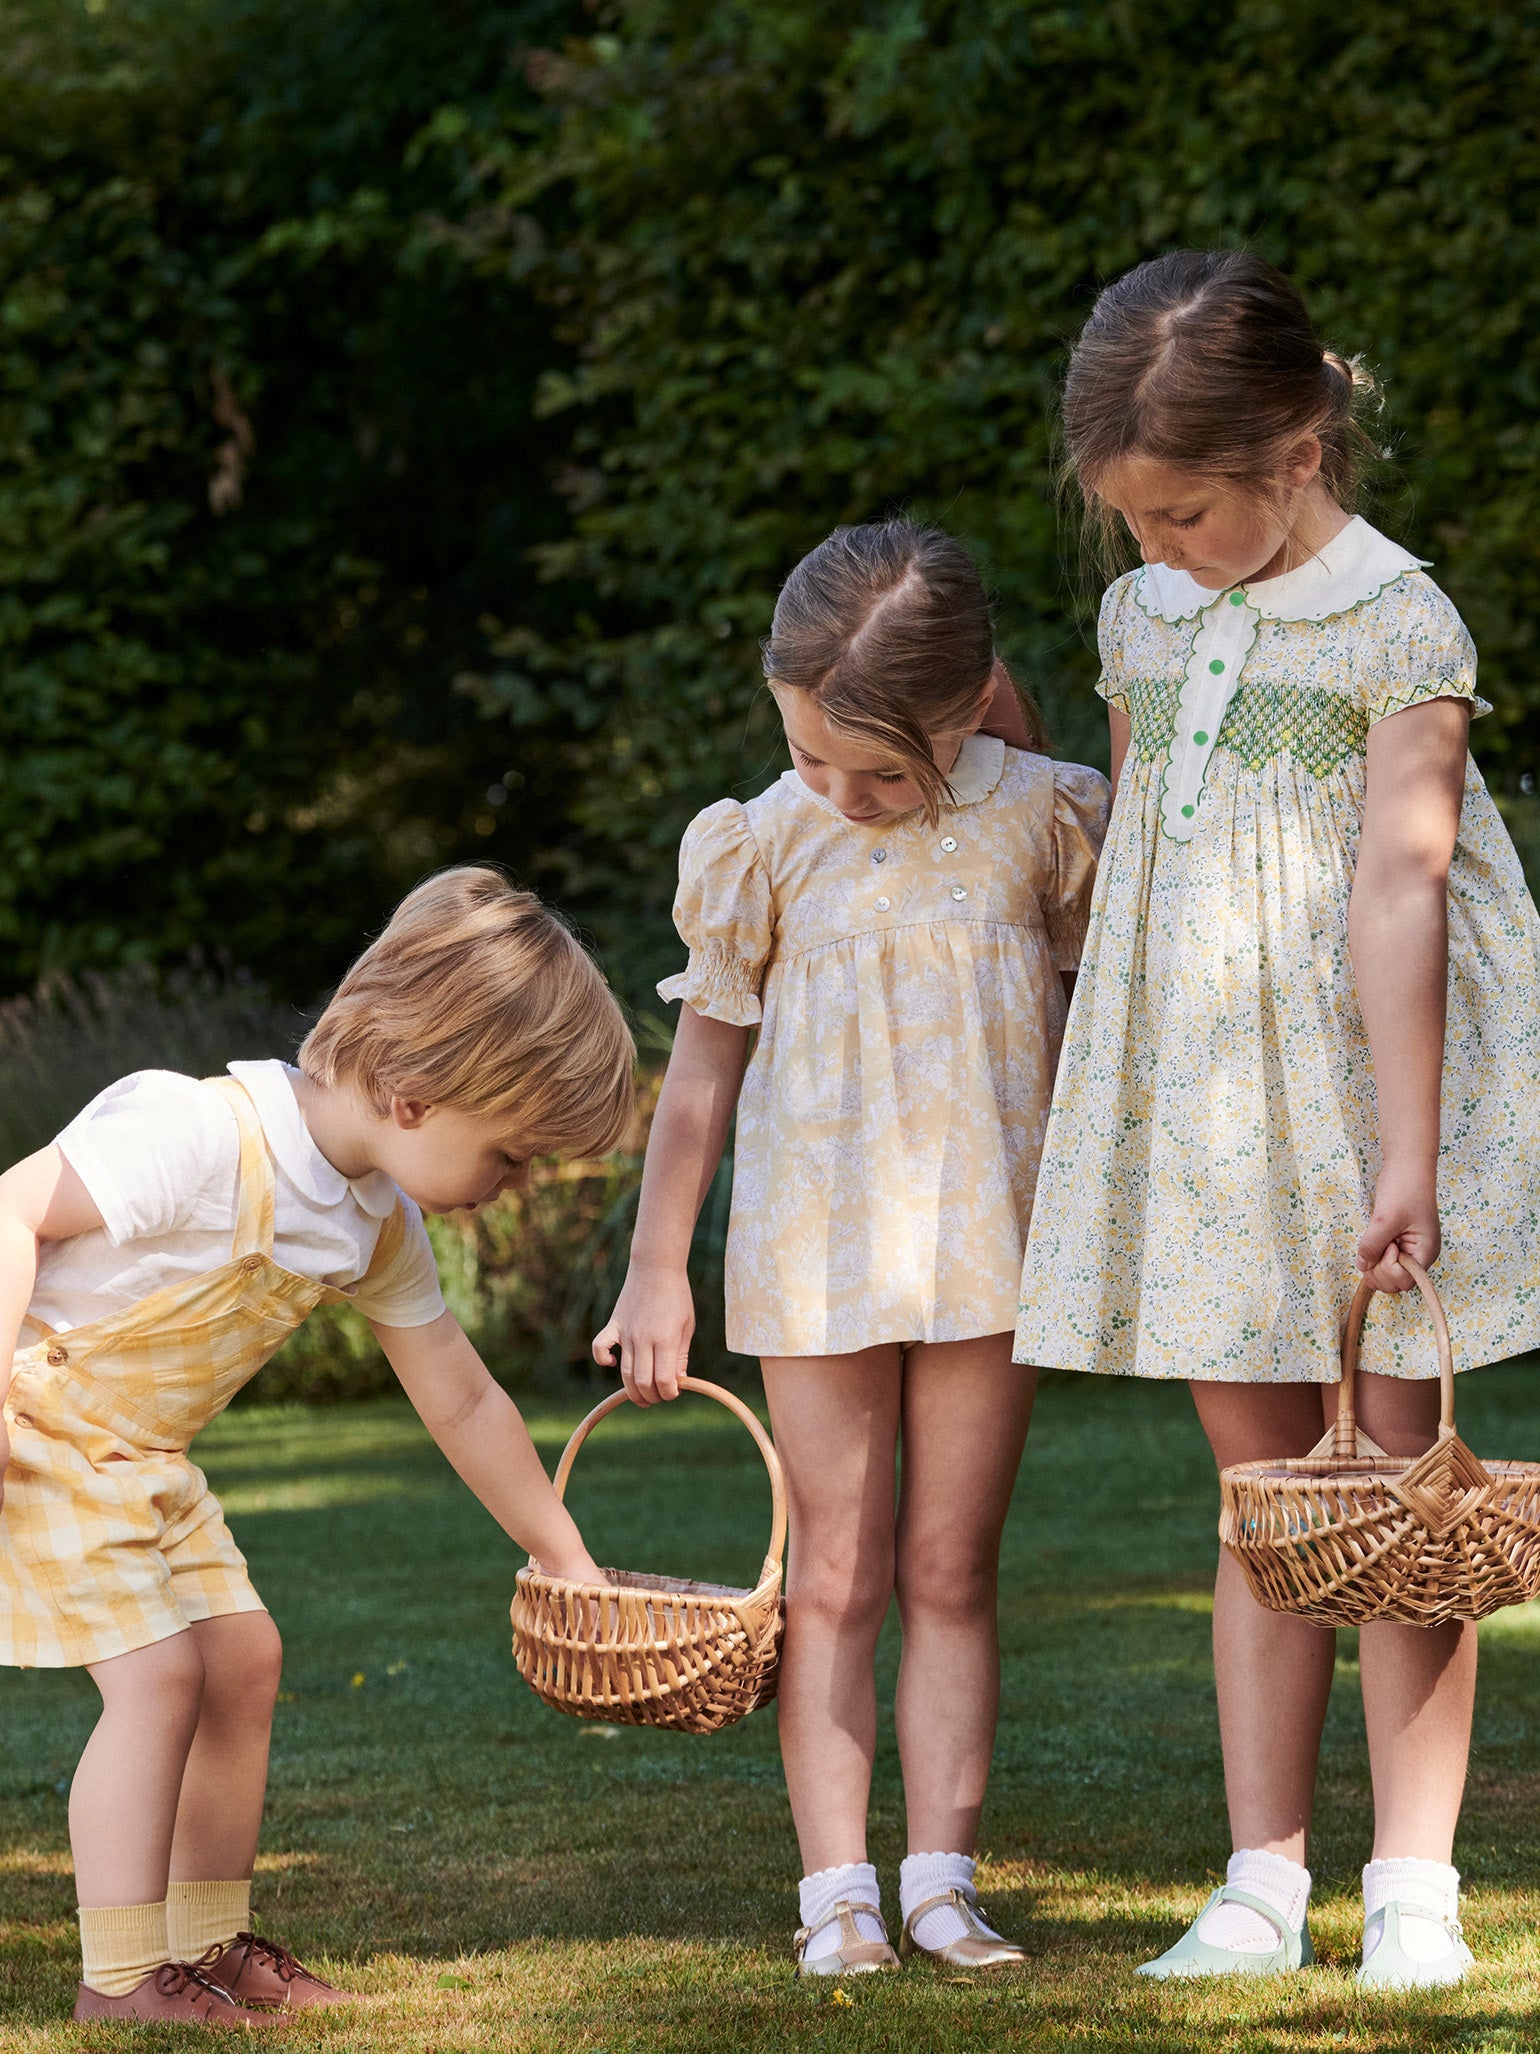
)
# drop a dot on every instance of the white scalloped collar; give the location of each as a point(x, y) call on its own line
point(1352, 567)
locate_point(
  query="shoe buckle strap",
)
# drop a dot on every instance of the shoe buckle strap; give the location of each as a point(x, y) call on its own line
point(850, 1933)
point(1231, 1893)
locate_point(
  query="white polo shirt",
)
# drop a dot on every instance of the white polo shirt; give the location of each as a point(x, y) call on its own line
point(160, 1155)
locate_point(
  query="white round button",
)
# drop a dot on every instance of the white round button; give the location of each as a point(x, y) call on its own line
point(949, 844)
point(879, 855)
point(959, 891)
point(882, 905)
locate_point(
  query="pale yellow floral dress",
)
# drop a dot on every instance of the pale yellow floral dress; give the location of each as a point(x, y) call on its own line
point(1212, 1152)
point(905, 983)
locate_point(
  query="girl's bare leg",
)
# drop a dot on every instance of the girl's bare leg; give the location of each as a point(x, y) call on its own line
point(1272, 1673)
point(836, 1420)
point(1419, 1682)
point(220, 1811)
point(966, 1409)
point(123, 1801)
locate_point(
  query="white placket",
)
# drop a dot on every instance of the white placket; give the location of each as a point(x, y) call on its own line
point(1225, 634)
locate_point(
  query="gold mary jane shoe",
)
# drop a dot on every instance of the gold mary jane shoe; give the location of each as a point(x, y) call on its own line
point(978, 1947)
point(853, 1956)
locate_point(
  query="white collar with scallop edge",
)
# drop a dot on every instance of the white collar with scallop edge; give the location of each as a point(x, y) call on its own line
point(1352, 567)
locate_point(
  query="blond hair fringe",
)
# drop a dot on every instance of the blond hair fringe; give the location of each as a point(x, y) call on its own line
point(479, 997)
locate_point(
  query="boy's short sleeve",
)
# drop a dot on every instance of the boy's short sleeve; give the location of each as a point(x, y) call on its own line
point(158, 1153)
point(722, 912)
point(401, 1288)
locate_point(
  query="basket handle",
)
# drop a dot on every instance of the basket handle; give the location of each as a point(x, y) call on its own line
point(735, 1405)
point(1345, 1444)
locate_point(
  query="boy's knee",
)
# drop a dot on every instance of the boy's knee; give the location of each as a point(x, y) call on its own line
point(244, 1661)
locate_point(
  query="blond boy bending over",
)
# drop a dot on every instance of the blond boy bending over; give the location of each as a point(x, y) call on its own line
point(151, 1260)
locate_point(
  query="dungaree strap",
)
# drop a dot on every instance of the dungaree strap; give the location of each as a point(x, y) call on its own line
point(386, 1249)
point(254, 1214)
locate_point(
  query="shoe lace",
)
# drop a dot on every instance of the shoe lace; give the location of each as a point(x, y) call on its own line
point(273, 1956)
point(177, 1976)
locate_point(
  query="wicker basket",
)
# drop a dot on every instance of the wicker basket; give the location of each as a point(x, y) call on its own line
point(1349, 1533)
point(655, 1650)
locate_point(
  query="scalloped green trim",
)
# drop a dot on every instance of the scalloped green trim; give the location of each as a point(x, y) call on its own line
point(1293, 620)
point(1438, 688)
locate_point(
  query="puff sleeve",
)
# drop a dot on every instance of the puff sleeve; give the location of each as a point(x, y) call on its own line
point(1082, 800)
point(1110, 630)
point(722, 912)
point(1423, 651)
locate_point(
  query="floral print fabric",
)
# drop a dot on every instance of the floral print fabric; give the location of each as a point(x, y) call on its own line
point(905, 982)
point(1212, 1151)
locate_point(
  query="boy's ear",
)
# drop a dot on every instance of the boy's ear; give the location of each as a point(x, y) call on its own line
point(409, 1113)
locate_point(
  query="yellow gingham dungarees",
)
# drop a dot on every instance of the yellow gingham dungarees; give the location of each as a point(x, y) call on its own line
point(109, 1537)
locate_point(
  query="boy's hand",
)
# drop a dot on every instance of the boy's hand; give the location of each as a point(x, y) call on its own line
point(1404, 1220)
point(652, 1325)
point(577, 1568)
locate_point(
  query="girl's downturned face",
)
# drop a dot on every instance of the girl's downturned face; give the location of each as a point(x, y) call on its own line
point(1217, 534)
point(844, 770)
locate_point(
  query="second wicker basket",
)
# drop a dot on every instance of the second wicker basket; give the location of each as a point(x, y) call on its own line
point(643, 1650)
point(1349, 1533)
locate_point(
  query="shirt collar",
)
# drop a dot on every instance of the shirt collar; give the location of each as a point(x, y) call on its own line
point(1353, 566)
point(980, 763)
point(268, 1086)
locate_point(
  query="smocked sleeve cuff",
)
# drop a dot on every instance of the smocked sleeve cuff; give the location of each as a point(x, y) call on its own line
point(719, 985)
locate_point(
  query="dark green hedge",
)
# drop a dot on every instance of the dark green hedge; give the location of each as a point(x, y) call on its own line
point(561, 333)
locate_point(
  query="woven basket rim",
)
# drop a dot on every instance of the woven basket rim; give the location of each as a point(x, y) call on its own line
point(689, 1588)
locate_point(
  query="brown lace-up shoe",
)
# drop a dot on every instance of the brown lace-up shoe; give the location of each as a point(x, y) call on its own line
point(180, 1994)
point(260, 1972)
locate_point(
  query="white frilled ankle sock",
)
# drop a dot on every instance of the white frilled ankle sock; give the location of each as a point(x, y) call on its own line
point(1277, 1881)
point(932, 1875)
point(853, 1883)
point(1432, 1886)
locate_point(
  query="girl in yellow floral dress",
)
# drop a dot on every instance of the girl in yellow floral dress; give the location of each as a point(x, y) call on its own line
point(896, 918)
point(1306, 1041)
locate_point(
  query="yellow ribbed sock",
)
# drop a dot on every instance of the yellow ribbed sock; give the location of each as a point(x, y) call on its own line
point(121, 1944)
point(204, 1915)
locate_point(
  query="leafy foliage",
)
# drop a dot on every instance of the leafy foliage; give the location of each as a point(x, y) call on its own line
point(824, 261)
point(407, 414)
point(266, 459)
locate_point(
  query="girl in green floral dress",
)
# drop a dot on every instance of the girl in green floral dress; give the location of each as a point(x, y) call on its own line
point(1306, 1038)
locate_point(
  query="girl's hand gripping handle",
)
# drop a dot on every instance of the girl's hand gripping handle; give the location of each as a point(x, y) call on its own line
point(654, 1317)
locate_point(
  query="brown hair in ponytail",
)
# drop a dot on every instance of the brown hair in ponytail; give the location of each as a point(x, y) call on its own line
point(1208, 360)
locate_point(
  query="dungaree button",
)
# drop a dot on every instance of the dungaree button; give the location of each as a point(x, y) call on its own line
point(251, 1264)
point(58, 1356)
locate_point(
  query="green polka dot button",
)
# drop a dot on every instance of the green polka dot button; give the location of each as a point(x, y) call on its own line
point(1187, 812)
point(1237, 599)
point(1200, 738)
point(1216, 666)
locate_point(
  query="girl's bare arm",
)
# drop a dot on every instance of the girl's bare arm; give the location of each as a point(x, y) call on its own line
point(1398, 936)
point(654, 1316)
point(1117, 722)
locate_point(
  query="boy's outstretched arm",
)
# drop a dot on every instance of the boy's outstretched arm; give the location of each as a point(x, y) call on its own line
point(41, 1199)
point(480, 1430)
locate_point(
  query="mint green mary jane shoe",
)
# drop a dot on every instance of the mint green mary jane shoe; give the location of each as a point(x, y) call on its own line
point(1194, 1957)
point(1389, 1967)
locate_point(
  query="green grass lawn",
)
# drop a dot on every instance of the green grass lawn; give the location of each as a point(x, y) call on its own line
point(488, 1874)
